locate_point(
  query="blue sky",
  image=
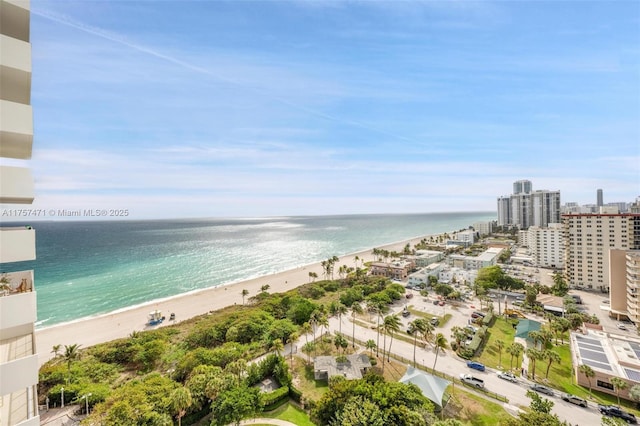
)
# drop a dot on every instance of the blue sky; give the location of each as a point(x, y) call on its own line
point(211, 108)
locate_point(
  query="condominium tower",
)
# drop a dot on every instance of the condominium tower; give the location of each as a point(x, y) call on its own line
point(588, 238)
point(525, 207)
point(18, 357)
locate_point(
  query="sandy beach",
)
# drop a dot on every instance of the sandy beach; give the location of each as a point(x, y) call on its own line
point(93, 330)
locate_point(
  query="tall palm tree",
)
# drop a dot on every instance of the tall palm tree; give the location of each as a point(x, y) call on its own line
point(500, 345)
point(306, 329)
point(427, 334)
point(277, 346)
point(292, 338)
point(440, 343)
point(356, 309)
point(588, 373)
point(551, 357)
point(264, 288)
point(244, 294)
point(534, 355)
point(180, 401)
point(71, 353)
point(323, 322)
point(619, 384)
point(340, 311)
point(56, 350)
point(370, 345)
point(418, 327)
point(391, 325)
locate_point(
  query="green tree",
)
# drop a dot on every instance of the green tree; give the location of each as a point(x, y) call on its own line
point(440, 343)
point(539, 404)
point(588, 373)
point(391, 325)
point(356, 309)
point(619, 384)
point(244, 294)
point(559, 287)
point(71, 354)
point(551, 357)
point(235, 404)
point(180, 402)
point(499, 345)
point(308, 348)
point(418, 326)
point(534, 355)
point(340, 342)
point(515, 350)
point(634, 393)
point(265, 288)
point(340, 311)
point(370, 345)
point(56, 350)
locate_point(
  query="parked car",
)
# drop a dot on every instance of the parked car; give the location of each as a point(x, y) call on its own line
point(506, 375)
point(435, 302)
point(475, 315)
point(621, 326)
point(435, 322)
point(471, 329)
point(613, 411)
point(476, 365)
point(406, 313)
point(542, 389)
point(409, 295)
point(479, 314)
point(473, 381)
point(574, 399)
point(518, 303)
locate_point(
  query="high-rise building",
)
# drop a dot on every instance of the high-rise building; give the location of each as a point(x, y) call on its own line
point(624, 279)
point(546, 245)
point(599, 201)
point(18, 356)
point(522, 187)
point(588, 238)
point(525, 207)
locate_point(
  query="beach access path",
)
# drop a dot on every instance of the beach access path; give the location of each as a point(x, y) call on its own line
point(103, 328)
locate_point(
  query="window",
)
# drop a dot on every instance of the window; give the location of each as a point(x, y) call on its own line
point(605, 385)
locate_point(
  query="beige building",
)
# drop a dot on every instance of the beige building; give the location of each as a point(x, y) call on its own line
point(587, 241)
point(624, 279)
point(18, 357)
point(609, 355)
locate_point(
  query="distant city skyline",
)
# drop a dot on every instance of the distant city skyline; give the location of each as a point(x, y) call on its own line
point(244, 109)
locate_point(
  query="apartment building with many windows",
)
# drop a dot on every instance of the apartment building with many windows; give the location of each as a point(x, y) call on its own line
point(546, 245)
point(18, 357)
point(588, 238)
point(525, 207)
point(624, 281)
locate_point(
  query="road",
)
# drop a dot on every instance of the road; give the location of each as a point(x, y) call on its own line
point(451, 364)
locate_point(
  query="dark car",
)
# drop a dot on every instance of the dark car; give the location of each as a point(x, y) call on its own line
point(406, 313)
point(435, 302)
point(542, 389)
point(613, 411)
point(475, 365)
point(574, 399)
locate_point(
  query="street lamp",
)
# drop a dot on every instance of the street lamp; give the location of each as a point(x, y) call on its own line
point(86, 402)
point(61, 397)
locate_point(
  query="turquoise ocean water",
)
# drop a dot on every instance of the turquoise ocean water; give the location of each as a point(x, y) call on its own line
point(89, 268)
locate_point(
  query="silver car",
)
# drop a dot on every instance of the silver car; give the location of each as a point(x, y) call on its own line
point(506, 375)
point(542, 389)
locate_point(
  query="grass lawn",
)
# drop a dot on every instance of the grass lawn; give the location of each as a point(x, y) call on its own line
point(290, 413)
point(304, 380)
point(501, 330)
point(474, 410)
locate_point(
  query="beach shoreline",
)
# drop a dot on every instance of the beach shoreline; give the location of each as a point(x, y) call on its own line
point(90, 331)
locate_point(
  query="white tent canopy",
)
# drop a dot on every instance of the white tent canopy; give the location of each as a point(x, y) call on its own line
point(431, 386)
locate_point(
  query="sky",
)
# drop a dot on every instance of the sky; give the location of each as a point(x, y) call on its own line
point(276, 108)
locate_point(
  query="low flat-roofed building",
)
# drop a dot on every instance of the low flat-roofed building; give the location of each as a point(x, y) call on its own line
point(424, 258)
point(609, 355)
point(421, 277)
point(398, 270)
point(551, 303)
point(487, 258)
point(355, 366)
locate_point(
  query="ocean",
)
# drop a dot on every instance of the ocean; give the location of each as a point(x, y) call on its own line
point(89, 268)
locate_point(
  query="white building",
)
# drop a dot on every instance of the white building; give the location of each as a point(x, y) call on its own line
point(546, 245)
point(468, 237)
point(421, 277)
point(448, 275)
point(18, 357)
point(487, 258)
point(424, 258)
point(484, 228)
point(525, 208)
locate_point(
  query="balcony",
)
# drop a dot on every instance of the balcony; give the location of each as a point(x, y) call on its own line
point(15, 19)
point(15, 66)
point(17, 244)
point(16, 128)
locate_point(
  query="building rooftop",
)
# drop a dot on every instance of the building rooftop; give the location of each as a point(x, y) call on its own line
point(610, 353)
point(351, 369)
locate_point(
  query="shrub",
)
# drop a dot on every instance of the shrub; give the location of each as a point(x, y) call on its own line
point(274, 398)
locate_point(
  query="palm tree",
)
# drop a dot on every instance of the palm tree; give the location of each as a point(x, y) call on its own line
point(418, 327)
point(514, 350)
point(534, 355)
point(619, 384)
point(458, 334)
point(536, 336)
point(56, 350)
point(551, 357)
point(313, 276)
point(427, 334)
point(180, 401)
point(370, 345)
point(292, 338)
point(340, 310)
point(500, 345)
point(264, 288)
point(307, 348)
point(277, 346)
point(589, 374)
point(340, 342)
point(323, 321)
point(356, 309)
point(244, 293)
point(391, 325)
point(440, 342)
point(71, 353)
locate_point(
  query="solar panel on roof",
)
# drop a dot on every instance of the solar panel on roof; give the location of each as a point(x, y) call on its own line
point(592, 347)
point(593, 355)
point(587, 340)
point(596, 364)
point(632, 374)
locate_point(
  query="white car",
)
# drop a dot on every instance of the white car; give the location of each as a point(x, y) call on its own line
point(507, 376)
point(621, 326)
